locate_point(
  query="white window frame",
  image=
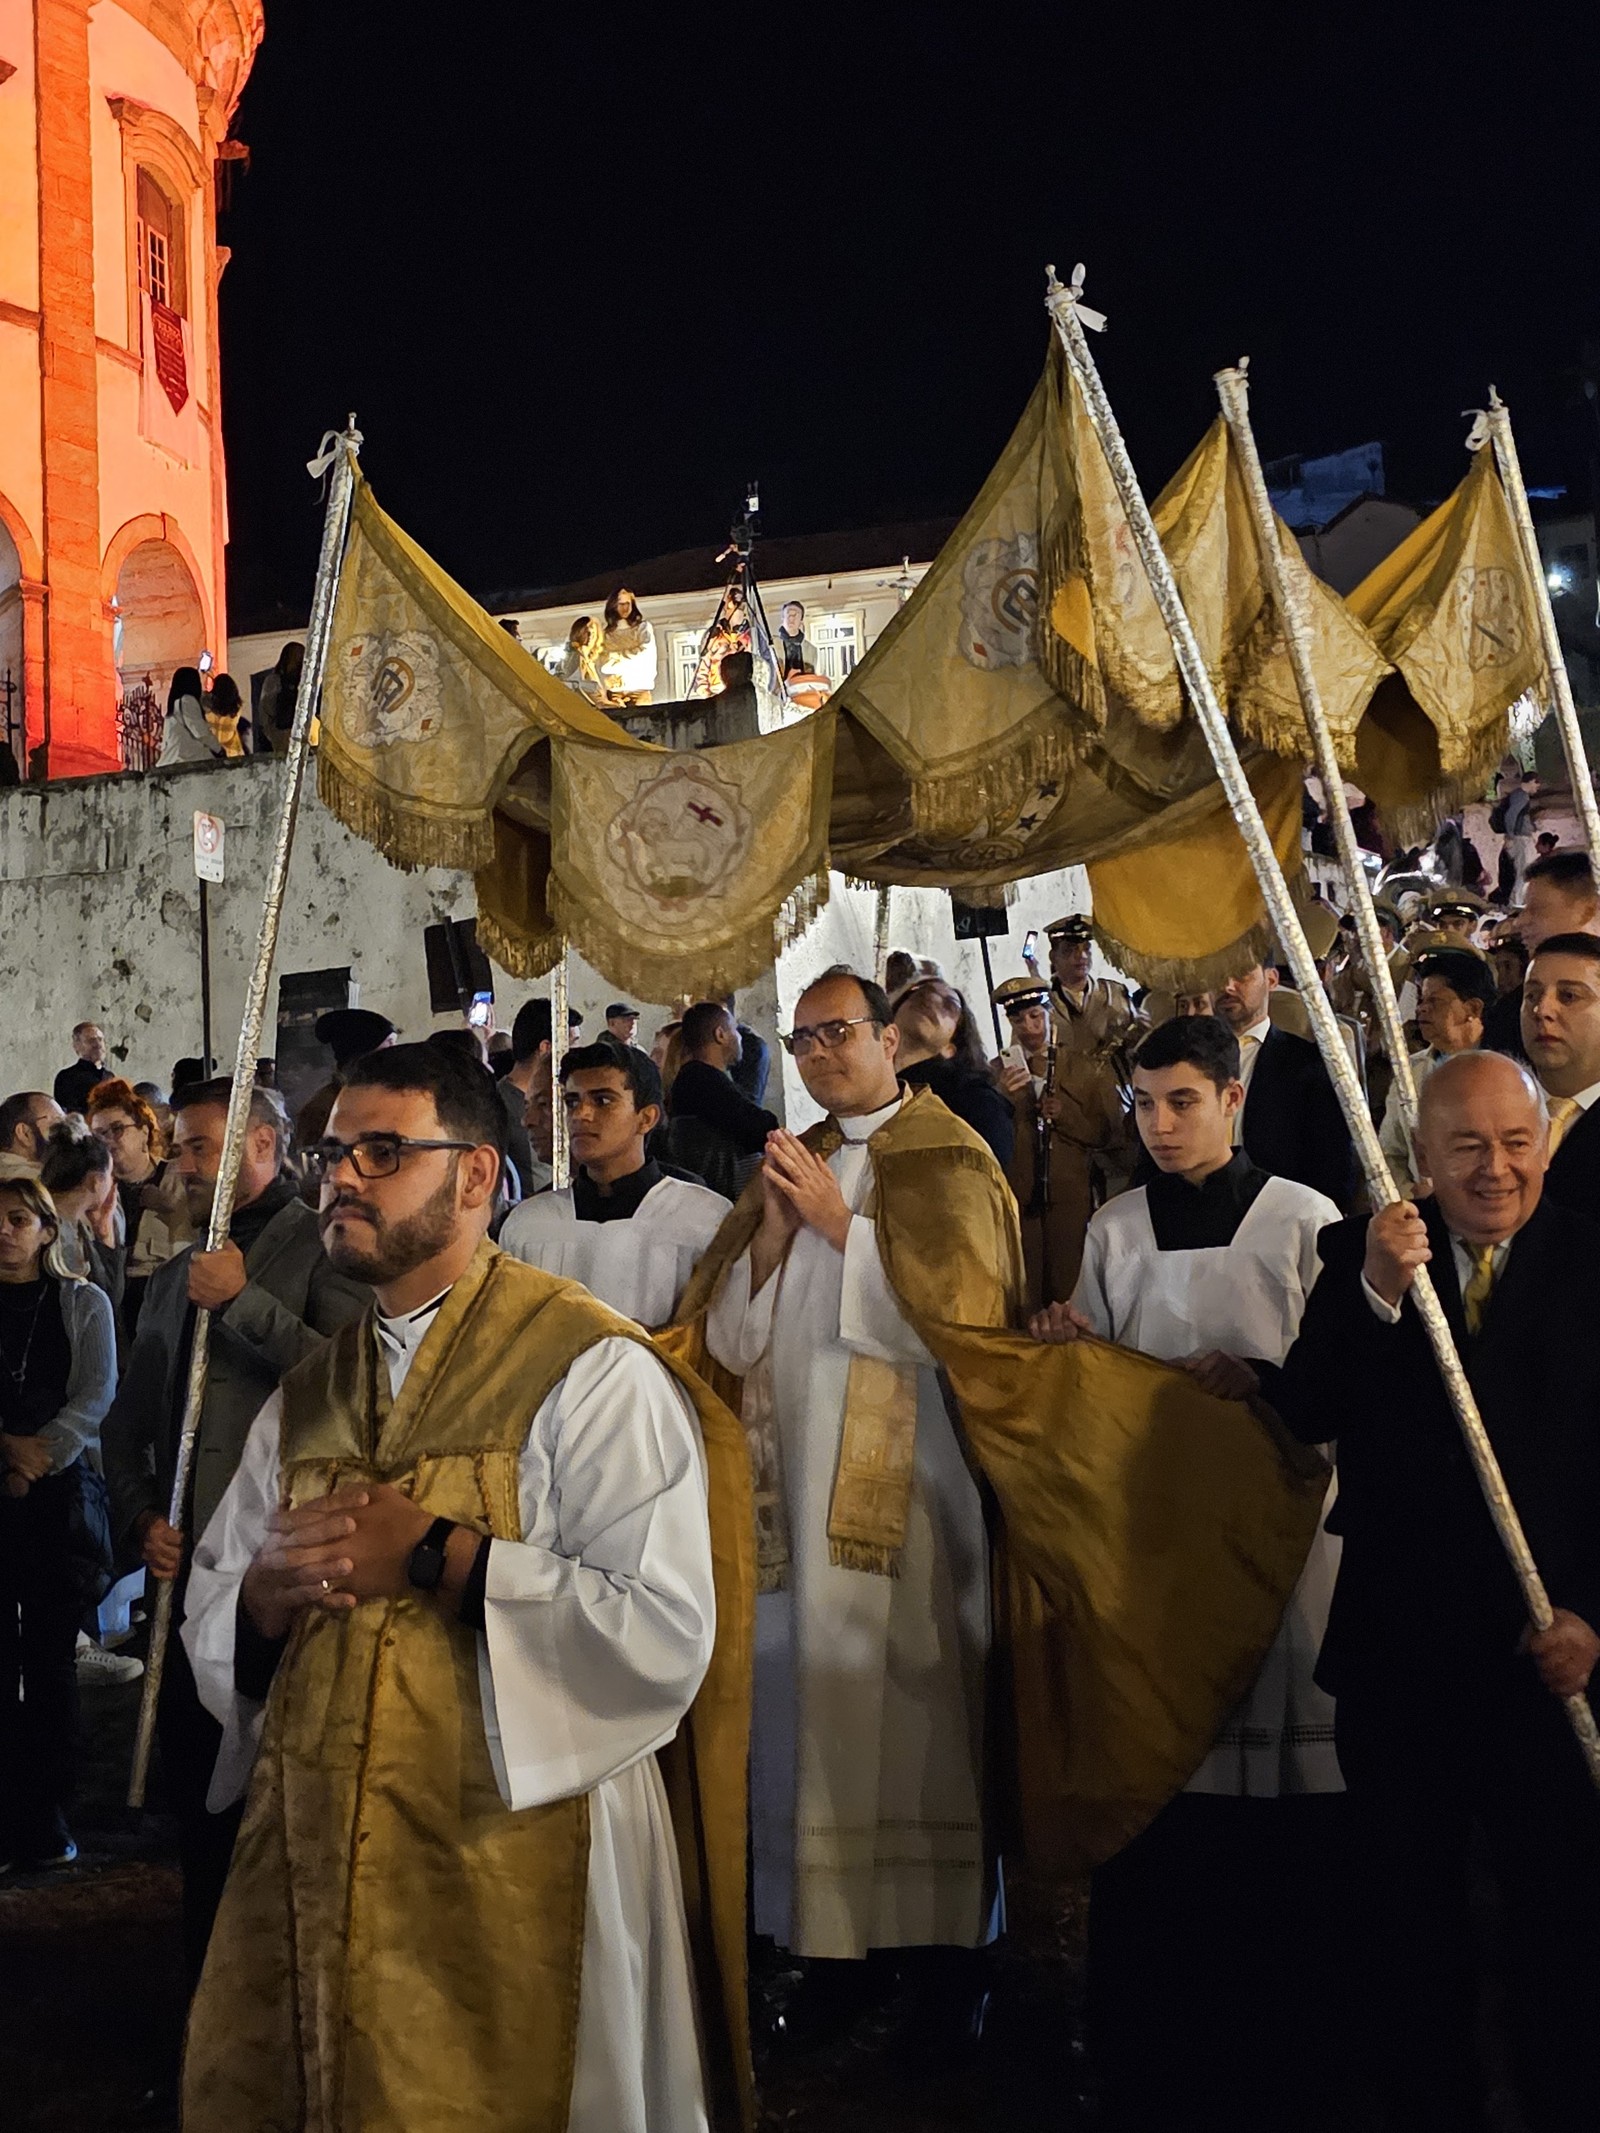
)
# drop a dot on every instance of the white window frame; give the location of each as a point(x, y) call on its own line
point(154, 267)
point(840, 636)
point(683, 657)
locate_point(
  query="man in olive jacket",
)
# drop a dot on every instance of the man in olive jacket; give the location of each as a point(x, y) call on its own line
point(274, 1298)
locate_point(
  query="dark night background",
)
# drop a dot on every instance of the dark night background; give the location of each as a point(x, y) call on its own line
point(580, 272)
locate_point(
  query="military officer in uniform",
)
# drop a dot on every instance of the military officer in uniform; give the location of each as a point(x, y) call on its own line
point(1068, 1090)
point(1455, 912)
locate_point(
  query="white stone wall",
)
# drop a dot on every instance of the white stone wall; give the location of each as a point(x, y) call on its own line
point(99, 920)
point(99, 915)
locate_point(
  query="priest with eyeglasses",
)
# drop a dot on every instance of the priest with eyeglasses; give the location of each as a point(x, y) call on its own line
point(475, 1603)
point(868, 1820)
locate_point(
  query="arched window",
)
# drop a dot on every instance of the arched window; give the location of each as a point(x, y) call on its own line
point(162, 253)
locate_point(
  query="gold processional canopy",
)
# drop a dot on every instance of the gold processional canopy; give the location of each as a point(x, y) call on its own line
point(1022, 712)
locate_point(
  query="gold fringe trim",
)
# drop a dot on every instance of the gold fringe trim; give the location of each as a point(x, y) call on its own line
point(1417, 821)
point(407, 835)
point(1070, 673)
point(1091, 687)
point(718, 967)
point(1272, 722)
point(520, 955)
point(1205, 974)
point(862, 1555)
point(946, 809)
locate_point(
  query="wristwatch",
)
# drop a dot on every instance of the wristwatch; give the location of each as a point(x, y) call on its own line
point(425, 1567)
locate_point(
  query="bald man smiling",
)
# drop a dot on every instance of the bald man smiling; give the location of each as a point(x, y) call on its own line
point(1449, 1719)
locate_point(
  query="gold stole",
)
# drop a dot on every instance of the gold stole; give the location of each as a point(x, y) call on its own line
point(1149, 1536)
point(396, 1947)
point(946, 1229)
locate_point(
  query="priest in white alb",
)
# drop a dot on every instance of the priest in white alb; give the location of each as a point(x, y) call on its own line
point(627, 1230)
point(453, 1614)
point(869, 1822)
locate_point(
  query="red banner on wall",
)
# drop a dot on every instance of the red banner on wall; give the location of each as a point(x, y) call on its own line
point(166, 338)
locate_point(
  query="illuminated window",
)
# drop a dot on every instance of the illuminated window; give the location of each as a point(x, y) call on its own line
point(840, 640)
point(159, 241)
point(684, 651)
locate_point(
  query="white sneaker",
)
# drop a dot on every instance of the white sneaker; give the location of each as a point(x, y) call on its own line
point(99, 1669)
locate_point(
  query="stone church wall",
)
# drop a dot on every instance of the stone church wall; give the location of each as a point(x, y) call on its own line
point(99, 921)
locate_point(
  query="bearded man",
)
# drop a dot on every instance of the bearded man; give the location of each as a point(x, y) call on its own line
point(458, 1597)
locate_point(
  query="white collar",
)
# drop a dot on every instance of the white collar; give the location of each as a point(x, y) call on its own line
point(1257, 1032)
point(866, 1123)
point(1586, 1097)
point(403, 1333)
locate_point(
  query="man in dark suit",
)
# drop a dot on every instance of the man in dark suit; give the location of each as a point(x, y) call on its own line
point(1561, 1037)
point(1291, 1124)
point(715, 1131)
point(274, 1298)
point(1449, 1712)
point(1558, 896)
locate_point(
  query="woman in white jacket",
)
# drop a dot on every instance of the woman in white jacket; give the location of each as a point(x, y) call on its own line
point(628, 662)
point(186, 737)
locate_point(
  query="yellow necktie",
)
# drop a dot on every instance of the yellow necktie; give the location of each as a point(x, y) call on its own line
point(1563, 1111)
point(1480, 1286)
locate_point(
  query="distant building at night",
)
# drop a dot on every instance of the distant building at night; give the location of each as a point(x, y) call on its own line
point(1337, 509)
point(850, 584)
point(114, 116)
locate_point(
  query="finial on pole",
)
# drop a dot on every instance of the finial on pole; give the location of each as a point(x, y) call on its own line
point(1057, 295)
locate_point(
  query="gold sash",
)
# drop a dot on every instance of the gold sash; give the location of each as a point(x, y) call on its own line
point(946, 1228)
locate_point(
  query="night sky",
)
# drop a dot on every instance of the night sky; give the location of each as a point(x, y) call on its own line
point(580, 271)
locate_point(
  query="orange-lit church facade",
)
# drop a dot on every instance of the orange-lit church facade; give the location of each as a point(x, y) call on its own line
point(113, 511)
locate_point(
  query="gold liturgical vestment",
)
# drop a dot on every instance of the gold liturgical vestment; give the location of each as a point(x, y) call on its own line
point(397, 1950)
point(1148, 1536)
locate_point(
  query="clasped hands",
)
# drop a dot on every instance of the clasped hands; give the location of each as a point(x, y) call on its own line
point(1225, 1376)
point(354, 1545)
point(799, 1189)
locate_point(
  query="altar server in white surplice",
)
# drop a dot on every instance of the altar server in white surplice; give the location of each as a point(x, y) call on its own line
point(1209, 1265)
point(626, 1230)
point(456, 1600)
point(868, 1726)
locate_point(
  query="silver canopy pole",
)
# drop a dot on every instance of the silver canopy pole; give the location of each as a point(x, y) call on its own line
point(338, 454)
point(1062, 305)
point(1578, 772)
point(1286, 580)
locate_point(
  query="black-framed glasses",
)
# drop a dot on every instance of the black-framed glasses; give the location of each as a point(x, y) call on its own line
point(374, 1155)
point(830, 1035)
